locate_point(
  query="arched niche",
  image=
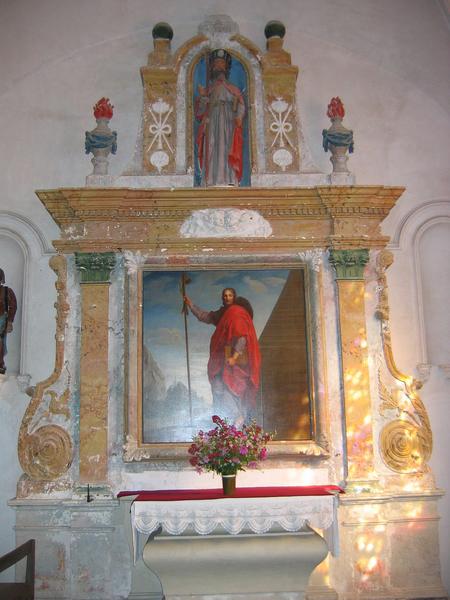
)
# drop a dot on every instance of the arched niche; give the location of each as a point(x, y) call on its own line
point(169, 80)
point(12, 253)
point(213, 35)
point(22, 246)
point(424, 234)
point(433, 250)
point(240, 81)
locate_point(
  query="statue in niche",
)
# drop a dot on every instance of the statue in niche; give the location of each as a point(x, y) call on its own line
point(8, 308)
point(221, 146)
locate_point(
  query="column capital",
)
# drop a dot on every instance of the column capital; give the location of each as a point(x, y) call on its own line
point(95, 267)
point(349, 264)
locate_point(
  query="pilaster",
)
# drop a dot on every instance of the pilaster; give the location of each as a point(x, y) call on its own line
point(95, 272)
point(349, 266)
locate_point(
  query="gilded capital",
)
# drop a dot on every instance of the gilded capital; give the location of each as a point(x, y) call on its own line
point(95, 267)
point(349, 264)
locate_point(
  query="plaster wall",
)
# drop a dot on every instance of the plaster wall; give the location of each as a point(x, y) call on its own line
point(388, 61)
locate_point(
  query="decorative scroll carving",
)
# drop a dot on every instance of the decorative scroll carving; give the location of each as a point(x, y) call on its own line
point(45, 449)
point(47, 453)
point(406, 442)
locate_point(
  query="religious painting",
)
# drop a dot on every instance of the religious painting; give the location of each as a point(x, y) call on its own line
point(220, 121)
point(231, 342)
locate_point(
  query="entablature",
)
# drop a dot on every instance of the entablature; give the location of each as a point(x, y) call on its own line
point(114, 219)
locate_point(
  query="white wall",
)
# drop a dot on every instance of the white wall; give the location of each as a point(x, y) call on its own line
point(387, 60)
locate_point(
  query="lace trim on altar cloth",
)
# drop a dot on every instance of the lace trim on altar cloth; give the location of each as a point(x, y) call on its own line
point(235, 515)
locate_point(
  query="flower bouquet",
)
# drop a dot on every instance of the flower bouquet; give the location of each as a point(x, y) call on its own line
point(227, 449)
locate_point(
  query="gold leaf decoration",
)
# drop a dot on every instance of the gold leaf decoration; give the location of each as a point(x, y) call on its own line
point(45, 452)
point(48, 453)
point(406, 444)
point(402, 447)
point(388, 400)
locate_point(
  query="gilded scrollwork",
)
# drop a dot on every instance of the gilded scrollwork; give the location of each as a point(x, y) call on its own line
point(47, 453)
point(165, 457)
point(45, 449)
point(405, 442)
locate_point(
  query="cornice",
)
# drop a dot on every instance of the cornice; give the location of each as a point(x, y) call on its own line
point(102, 219)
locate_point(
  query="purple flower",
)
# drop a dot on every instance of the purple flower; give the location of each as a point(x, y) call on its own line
point(243, 450)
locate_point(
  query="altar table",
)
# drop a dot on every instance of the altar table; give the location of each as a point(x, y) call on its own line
point(200, 543)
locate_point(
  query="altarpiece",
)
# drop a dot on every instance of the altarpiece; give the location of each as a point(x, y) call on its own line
point(222, 192)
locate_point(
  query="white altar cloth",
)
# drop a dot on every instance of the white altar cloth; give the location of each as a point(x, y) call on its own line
point(234, 515)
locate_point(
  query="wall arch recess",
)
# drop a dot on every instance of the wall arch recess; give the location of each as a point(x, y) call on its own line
point(409, 236)
point(19, 235)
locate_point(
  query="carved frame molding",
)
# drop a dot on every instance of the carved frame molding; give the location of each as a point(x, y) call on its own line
point(281, 452)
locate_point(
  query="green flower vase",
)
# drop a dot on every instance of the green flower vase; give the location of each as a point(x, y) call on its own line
point(229, 484)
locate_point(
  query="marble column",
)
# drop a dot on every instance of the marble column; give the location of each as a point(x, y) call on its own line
point(349, 266)
point(95, 270)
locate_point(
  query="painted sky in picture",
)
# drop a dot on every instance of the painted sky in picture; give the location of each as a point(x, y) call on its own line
point(163, 321)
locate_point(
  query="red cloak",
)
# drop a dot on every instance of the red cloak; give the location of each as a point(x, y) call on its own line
point(242, 381)
point(235, 152)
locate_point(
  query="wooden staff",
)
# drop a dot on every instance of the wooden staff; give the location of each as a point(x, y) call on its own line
point(184, 281)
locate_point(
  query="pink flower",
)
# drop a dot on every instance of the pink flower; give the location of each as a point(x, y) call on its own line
point(193, 449)
point(227, 447)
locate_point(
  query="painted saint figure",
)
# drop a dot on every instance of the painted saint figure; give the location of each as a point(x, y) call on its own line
point(8, 308)
point(234, 360)
point(220, 109)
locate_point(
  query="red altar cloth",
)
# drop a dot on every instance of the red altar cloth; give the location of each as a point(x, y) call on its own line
point(249, 492)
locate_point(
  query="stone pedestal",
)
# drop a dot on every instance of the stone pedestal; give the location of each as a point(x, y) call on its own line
point(273, 565)
point(81, 550)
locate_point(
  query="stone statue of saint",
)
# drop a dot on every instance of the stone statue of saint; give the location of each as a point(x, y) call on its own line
point(220, 109)
point(8, 307)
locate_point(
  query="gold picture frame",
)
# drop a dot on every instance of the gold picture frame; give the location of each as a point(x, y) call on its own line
point(147, 442)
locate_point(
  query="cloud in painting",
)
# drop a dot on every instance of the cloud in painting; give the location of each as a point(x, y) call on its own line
point(277, 282)
point(255, 285)
point(165, 336)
